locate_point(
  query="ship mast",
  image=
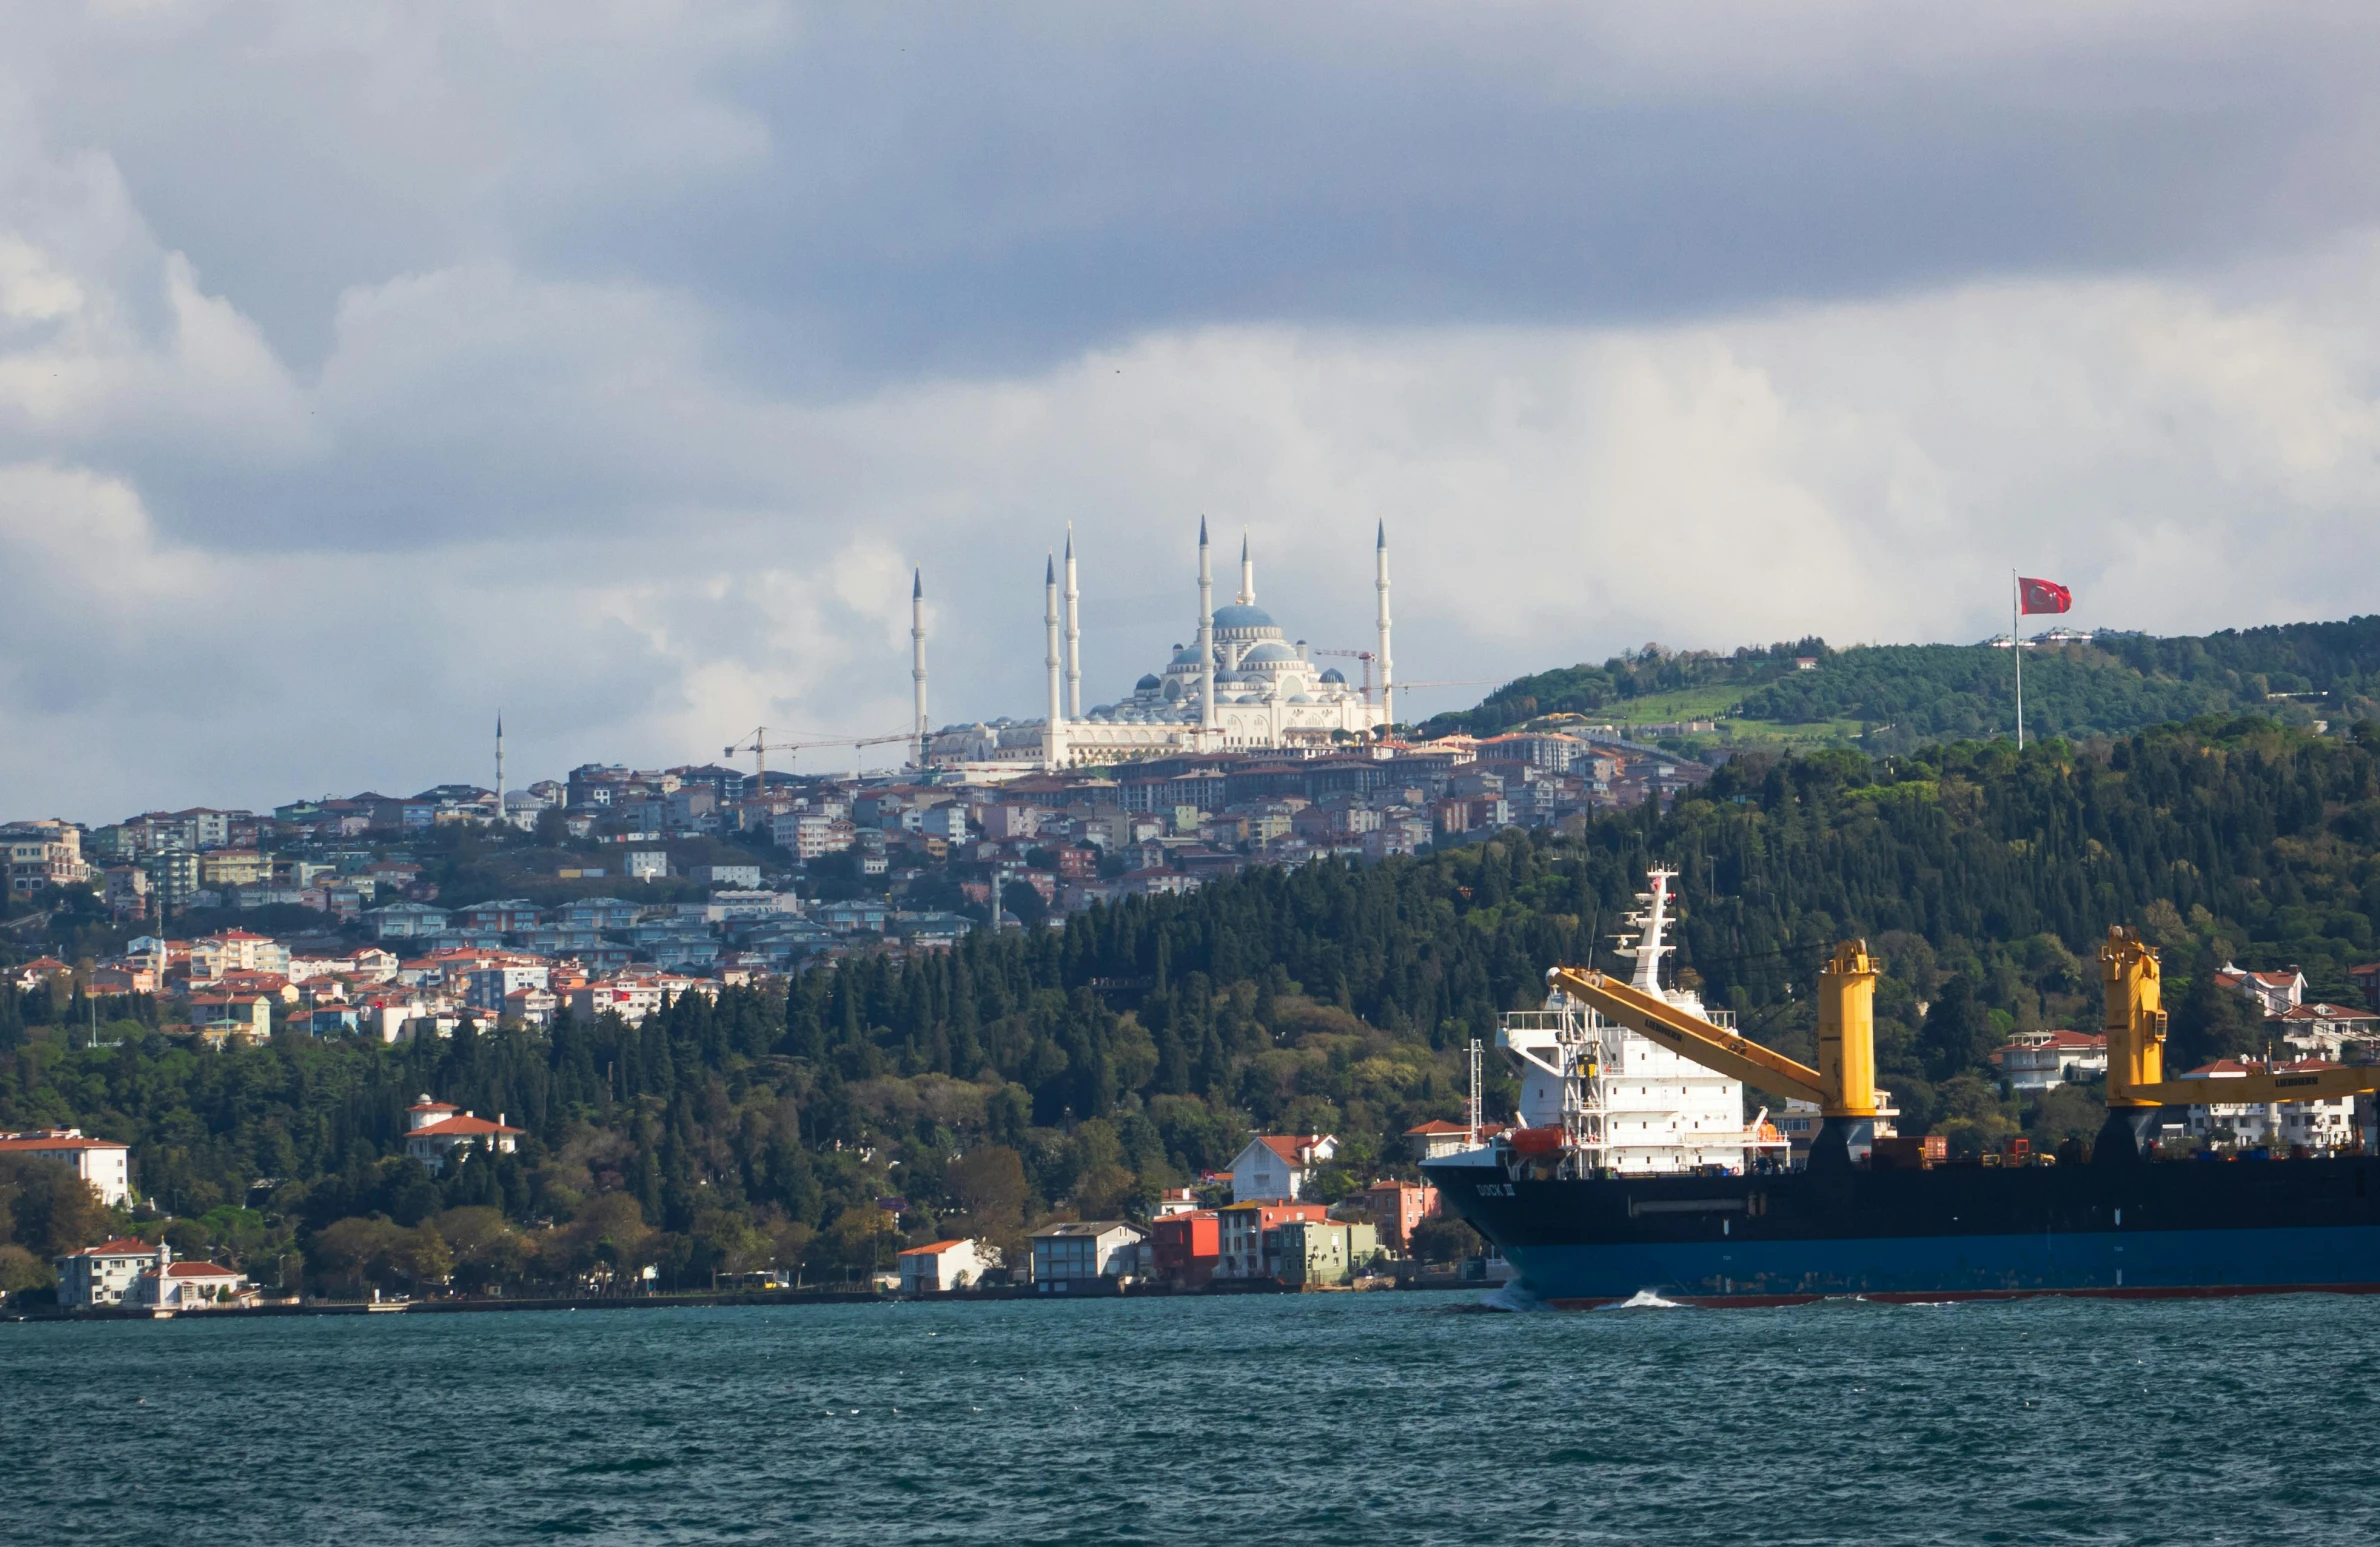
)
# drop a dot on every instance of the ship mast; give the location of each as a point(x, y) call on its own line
point(1643, 942)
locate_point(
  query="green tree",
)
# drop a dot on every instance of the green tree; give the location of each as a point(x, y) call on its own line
point(46, 1208)
point(1958, 1031)
point(2211, 1021)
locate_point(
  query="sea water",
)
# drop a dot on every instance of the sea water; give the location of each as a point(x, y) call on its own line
point(1376, 1418)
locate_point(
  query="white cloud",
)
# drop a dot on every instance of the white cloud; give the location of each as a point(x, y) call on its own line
point(364, 370)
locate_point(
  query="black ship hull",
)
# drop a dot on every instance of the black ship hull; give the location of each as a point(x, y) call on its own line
point(2184, 1228)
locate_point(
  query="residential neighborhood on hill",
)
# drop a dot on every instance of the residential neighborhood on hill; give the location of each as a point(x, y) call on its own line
point(1191, 1022)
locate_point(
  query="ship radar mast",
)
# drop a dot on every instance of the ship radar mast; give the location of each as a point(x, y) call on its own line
point(1648, 925)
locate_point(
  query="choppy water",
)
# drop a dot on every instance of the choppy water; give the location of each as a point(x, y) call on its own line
point(1370, 1419)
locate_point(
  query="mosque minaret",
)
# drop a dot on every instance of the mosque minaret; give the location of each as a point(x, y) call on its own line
point(1244, 685)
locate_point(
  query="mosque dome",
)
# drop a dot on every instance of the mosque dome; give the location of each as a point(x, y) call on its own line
point(1241, 616)
point(1335, 675)
point(1186, 656)
point(1147, 684)
point(1301, 698)
point(1269, 655)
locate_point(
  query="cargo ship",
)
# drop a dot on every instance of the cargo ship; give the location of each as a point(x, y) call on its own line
point(1888, 1218)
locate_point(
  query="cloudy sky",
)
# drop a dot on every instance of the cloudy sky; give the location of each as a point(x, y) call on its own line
point(365, 368)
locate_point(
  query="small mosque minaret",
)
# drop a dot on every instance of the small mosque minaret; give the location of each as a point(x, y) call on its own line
point(917, 661)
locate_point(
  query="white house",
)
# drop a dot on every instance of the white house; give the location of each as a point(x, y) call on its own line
point(2320, 1123)
point(1278, 1167)
point(2042, 1060)
point(435, 1129)
point(945, 1265)
point(2327, 1031)
point(1081, 1250)
point(2275, 991)
point(107, 1167)
point(183, 1286)
point(103, 1274)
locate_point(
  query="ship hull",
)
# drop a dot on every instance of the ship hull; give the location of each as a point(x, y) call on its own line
point(1950, 1233)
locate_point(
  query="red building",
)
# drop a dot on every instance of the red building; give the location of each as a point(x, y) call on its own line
point(1187, 1247)
point(1397, 1207)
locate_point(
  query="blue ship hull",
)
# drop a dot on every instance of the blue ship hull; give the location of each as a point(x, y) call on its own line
point(2139, 1230)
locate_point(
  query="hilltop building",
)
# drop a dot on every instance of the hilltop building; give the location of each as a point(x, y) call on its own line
point(1242, 685)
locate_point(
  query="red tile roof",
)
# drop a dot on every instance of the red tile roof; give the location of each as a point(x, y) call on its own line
point(199, 1270)
point(24, 1142)
point(458, 1128)
point(930, 1249)
point(2325, 1012)
point(1434, 1126)
point(122, 1246)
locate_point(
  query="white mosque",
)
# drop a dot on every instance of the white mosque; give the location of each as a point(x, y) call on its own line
point(1242, 685)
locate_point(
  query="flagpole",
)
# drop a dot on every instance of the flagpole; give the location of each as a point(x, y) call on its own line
point(2016, 649)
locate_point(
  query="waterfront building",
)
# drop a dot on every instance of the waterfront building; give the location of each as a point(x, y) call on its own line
point(1247, 1236)
point(104, 1274)
point(185, 1286)
point(1086, 1251)
point(1398, 1208)
point(1186, 1246)
point(941, 1266)
point(1323, 1252)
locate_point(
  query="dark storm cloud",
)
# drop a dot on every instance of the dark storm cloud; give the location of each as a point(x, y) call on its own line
point(879, 190)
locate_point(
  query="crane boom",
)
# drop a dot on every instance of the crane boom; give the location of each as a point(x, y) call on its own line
point(1690, 1036)
point(2135, 1027)
point(759, 745)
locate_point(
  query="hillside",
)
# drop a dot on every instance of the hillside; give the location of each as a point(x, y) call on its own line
point(1081, 1071)
point(1892, 698)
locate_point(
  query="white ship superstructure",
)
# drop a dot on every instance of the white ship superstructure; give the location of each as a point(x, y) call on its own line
point(1625, 1103)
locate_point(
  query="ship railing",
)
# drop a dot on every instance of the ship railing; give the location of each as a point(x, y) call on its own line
point(1725, 1019)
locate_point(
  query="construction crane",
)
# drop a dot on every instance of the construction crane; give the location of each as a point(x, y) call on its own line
point(1367, 657)
point(1844, 1083)
point(759, 745)
point(2136, 1083)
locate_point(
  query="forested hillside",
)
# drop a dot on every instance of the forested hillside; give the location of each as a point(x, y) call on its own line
point(1082, 1070)
point(1893, 698)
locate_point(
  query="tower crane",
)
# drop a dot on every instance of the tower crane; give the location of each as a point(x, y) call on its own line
point(759, 745)
point(1368, 657)
point(1365, 656)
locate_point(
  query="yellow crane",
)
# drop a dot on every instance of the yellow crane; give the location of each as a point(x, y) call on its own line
point(1843, 1084)
point(2136, 1085)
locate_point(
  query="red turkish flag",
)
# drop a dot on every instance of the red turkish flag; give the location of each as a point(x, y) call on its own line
point(2043, 595)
